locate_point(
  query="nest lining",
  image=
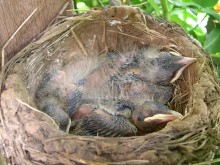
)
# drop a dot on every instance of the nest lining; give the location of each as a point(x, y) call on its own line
point(31, 136)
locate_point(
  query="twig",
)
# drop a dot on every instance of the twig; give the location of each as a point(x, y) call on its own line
point(125, 34)
point(130, 162)
point(6, 44)
point(79, 42)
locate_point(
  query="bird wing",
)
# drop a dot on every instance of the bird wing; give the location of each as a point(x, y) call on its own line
point(101, 123)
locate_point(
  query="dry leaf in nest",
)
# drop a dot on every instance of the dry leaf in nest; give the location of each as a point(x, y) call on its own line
point(31, 137)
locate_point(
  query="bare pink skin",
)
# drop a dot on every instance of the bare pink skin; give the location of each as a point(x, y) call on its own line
point(83, 110)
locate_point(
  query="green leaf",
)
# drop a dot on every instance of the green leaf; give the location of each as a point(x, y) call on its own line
point(135, 2)
point(210, 24)
point(211, 12)
point(154, 5)
point(199, 31)
point(186, 0)
point(185, 4)
point(148, 8)
point(216, 61)
point(82, 6)
point(200, 35)
point(212, 40)
point(183, 17)
point(206, 3)
point(207, 10)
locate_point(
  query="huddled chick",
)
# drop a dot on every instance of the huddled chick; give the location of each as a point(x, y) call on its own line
point(112, 94)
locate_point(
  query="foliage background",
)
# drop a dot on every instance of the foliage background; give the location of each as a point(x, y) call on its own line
point(199, 18)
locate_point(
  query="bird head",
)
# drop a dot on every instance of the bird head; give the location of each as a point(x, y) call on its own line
point(164, 68)
point(182, 63)
point(170, 67)
point(153, 116)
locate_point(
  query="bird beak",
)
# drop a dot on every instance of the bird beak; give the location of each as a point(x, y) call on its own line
point(161, 118)
point(186, 61)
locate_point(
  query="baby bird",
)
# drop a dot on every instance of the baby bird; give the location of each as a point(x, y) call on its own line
point(112, 94)
point(138, 89)
point(106, 120)
point(146, 83)
point(157, 67)
point(152, 116)
point(121, 121)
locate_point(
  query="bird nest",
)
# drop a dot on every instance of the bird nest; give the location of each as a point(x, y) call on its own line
point(29, 136)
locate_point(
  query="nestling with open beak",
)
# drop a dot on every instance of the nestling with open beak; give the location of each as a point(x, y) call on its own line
point(162, 68)
point(152, 116)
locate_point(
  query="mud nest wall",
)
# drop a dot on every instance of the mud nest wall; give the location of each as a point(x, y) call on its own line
point(29, 136)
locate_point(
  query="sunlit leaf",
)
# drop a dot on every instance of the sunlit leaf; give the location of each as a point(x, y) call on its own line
point(199, 31)
point(82, 6)
point(184, 17)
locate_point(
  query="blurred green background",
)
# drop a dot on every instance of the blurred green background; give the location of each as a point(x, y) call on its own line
point(199, 18)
